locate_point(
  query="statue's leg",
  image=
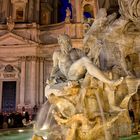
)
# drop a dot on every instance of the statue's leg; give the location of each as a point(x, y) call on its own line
point(77, 70)
point(84, 64)
point(71, 131)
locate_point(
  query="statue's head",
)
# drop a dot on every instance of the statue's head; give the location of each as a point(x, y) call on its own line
point(64, 38)
point(65, 42)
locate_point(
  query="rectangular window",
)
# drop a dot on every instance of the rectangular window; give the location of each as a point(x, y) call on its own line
point(19, 15)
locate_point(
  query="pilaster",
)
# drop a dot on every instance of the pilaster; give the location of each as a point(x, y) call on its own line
point(37, 9)
point(22, 80)
point(95, 8)
point(32, 80)
point(78, 10)
point(41, 84)
point(30, 11)
point(37, 80)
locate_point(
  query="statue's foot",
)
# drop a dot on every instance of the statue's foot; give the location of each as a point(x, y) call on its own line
point(118, 82)
point(116, 109)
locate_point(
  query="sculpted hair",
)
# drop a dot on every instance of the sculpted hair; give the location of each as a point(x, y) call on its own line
point(65, 37)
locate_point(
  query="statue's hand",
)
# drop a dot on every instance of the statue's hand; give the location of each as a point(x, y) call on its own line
point(51, 81)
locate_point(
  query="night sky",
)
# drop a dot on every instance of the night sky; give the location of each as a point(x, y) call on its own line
point(64, 5)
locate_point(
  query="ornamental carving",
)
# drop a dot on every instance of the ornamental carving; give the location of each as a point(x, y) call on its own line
point(9, 72)
point(9, 68)
point(9, 75)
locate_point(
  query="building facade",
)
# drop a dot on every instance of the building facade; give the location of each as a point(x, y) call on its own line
point(28, 37)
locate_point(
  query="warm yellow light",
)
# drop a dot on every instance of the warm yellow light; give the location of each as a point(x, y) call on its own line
point(20, 130)
point(44, 127)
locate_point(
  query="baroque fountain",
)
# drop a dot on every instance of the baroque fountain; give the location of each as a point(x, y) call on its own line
point(90, 91)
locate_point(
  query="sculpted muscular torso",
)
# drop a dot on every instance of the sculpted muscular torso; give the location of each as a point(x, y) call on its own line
point(72, 64)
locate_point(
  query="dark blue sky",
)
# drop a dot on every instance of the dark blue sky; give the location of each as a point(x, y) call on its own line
point(87, 15)
point(64, 5)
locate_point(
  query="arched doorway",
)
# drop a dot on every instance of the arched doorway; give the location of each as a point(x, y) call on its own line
point(88, 11)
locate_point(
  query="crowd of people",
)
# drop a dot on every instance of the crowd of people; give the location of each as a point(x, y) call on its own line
point(16, 119)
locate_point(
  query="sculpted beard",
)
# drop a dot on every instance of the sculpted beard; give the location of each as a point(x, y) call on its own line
point(66, 48)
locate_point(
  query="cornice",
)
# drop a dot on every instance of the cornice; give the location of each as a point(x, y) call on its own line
point(19, 1)
point(17, 46)
point(8, 60)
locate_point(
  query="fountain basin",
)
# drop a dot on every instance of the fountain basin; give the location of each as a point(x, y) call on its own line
point(27, 134)
point(16, 134)
point(133, 137)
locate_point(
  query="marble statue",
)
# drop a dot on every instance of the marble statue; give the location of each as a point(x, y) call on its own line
point(93, 41)
point(68, 15)
point(68, 59)
point(91, 90)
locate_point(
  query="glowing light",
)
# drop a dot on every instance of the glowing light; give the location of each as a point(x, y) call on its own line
point(20, 130)
point(44, 137)
point(44, 127)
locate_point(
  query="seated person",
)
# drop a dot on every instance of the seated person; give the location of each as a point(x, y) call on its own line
point(71, 64)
